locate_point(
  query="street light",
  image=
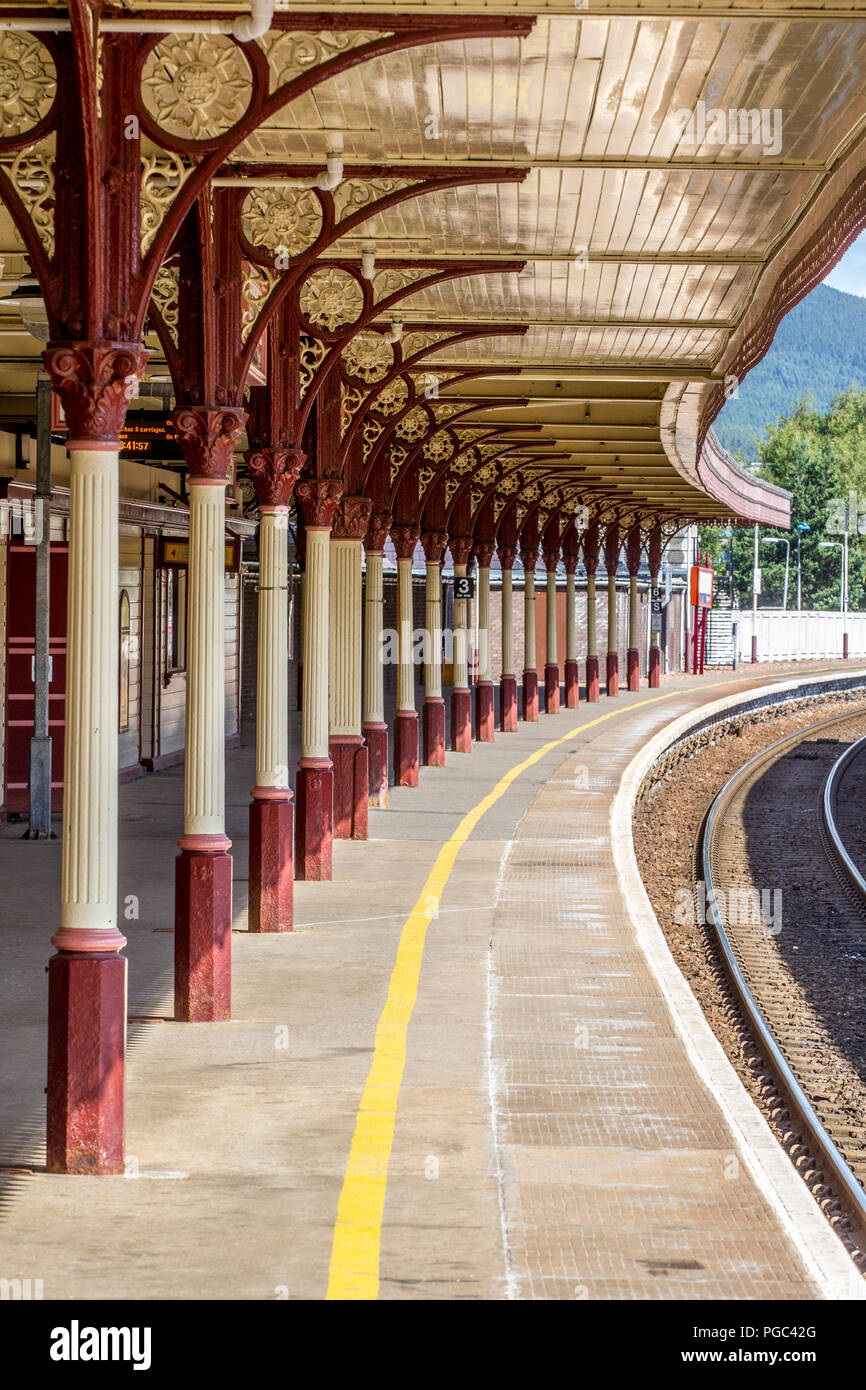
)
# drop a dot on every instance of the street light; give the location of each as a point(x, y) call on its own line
point(837, 545)
point(801, 527)
point(780, 540)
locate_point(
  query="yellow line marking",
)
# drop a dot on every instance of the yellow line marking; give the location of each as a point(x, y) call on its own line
point(354, 1269)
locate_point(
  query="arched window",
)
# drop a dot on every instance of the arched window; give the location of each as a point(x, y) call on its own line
point(123, 662)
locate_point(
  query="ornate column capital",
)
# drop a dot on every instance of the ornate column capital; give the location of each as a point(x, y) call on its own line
point(507, 555)
point(591, 547)
point(484, 553)
point(570, 560)
point(377, 532)
point(351, 519)
point(551, 559)
point(405, 539)
point(274, 473)
point(434, 543)
point(95, 383)
point(655, 550)
point(529, 556)
point(209, 435)
point(460, 547)
point(633, 549)
point(319, 498)
point(611, 548)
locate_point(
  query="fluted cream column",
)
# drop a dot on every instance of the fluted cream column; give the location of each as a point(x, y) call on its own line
point(572, 676)
point(314, 810)
point(591, 551)
point(433, 618)
point(87, 974)
point(612, 642)
point(405, 670)
point(405, 538)
point(271, 857)
point(485, 716)
point(345, 638)
point(530, 673)
point(374, 728)
point(461, 700)
point(203, 870)
point(656, 547)
point(374, 681)
point(204, 783)
point(88, 895)
point(347, 747)
point(508, 679)
point(461, 636)
point(272, 692)
point(508, 666)
point(317, 632)
point(551, 668)
point(433, 712)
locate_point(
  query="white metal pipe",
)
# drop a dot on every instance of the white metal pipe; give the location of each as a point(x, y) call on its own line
point(244, 28)
point(327, 181)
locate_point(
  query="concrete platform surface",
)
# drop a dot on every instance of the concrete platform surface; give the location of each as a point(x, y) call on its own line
point(549, 1136)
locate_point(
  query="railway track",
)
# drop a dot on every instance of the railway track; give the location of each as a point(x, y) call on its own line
point(796, 957)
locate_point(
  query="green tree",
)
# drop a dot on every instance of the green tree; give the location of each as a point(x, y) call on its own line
point(820, 458)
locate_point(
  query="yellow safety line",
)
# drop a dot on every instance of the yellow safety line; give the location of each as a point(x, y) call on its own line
point(354, 1269)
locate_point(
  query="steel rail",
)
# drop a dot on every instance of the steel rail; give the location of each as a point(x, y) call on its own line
point(828, 801)
point(836, 1168)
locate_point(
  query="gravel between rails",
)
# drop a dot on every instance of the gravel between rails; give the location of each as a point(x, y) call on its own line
point(667, 825)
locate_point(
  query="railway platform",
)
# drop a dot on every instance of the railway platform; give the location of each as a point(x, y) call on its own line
point(472, 1071)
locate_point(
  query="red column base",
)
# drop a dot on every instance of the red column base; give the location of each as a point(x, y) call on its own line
point(754, 648)
point(376, 739)
point(551, 688)
point(508, 704)
point(633, 668)
point(844, 646)
point(530, 696)
point(572, 684)
point(406, 748)
point(202, 931)
point(271, 892)
point(433, 731)
point(461, 721)
point(612, 673)
point(314, 820)
point(655, 666)
point(485, 712)
point(351, 787)
point(592, 691)
point(86, 1049)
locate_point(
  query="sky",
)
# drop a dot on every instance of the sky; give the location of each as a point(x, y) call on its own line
point(850, 273)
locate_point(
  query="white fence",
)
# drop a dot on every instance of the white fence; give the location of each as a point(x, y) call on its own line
point(799, 636)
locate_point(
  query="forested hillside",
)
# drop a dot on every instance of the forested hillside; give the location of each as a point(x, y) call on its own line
point(820, 348)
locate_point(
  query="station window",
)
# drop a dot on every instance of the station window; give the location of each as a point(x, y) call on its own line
point(175, 620)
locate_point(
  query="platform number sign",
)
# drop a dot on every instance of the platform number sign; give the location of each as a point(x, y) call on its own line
point(656, 609)
point(464, 586)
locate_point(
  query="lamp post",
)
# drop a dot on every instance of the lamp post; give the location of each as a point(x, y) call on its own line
point(780, 540)
point(802, 526)
point(756, 584)
point(843, 583)
point(837, 545)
